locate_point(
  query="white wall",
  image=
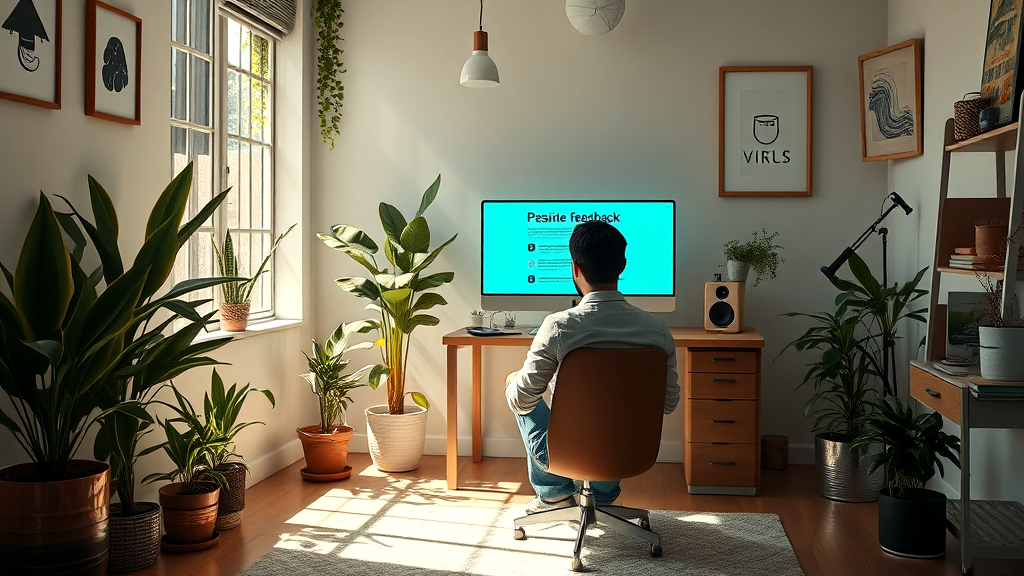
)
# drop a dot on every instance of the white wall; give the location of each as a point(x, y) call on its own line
point(633, 113)
point(53, 151)
point(954, 45)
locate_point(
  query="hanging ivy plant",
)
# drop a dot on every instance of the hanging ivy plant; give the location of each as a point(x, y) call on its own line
point(330, 89)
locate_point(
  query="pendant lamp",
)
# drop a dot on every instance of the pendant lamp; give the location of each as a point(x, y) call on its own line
point(480, 71)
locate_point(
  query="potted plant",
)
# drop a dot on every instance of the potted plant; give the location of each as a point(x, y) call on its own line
point(64, 343)
point(990, 237)
point(325, 445)
point(1000, 333)
point(217, 426)
point(395, 432)
point(911, 518)
point(852, 343)
point(761, 254)
point(235, 301)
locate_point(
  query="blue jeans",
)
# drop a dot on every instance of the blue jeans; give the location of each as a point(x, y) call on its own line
point(534, 428)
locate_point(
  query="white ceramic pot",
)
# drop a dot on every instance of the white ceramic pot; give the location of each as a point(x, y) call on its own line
point(396, 440)
point(1002, 352)
point(736, 271)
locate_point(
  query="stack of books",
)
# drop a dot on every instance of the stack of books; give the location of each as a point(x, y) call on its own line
point(967, 259)
point(992, 390)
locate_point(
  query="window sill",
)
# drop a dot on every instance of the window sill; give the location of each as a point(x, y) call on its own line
point(254, 329)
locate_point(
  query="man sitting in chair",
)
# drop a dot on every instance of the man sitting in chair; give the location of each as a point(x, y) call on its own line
point(602, 319)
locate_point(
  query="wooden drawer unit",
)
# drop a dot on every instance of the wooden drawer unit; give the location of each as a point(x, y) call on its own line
point(720, 385)
point(720, 421)
point(936, 393)
point(723, 361)
point(721, 465)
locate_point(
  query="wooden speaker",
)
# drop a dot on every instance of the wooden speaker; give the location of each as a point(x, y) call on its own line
point(723, 306)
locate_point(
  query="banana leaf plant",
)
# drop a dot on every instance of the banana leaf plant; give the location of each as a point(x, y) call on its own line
point(68, 347)
point(400, 295)
point(326, 378)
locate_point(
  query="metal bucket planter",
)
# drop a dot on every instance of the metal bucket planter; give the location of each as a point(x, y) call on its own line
point(396, 440)
point(842, 471)
point(135, 540)
point(1002, 352)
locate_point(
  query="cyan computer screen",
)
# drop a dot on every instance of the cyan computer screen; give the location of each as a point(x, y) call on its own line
point(525, 245)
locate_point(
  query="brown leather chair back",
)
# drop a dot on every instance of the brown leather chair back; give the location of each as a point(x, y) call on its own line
point(606, 413)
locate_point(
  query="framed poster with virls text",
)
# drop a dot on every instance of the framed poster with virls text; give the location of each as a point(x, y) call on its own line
point(764, 130)
point(891, 102)
point(30, 51)
point(113, 64)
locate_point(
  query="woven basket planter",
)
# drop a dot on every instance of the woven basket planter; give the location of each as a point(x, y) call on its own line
point(232, 502)
point(234, 317)
point(135, 540)
point(966, 123)
point(396, 440)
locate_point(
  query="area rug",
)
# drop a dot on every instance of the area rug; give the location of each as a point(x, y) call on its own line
point(362, 536)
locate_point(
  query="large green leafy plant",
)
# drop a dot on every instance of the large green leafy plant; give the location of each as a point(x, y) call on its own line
point(68, 347)
point(326, 375)
point(400, 294)
point(912, 445)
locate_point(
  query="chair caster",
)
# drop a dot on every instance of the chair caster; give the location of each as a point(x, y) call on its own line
point(519, 534)
point(645, 523)
point(656, 550)
point(577, 565)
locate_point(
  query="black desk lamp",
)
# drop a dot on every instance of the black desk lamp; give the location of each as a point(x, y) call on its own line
point(830, 272)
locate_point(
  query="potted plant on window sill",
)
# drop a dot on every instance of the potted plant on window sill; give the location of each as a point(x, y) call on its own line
point(395, 432)
point(911, 518)
point(325, 445)
point(235, 296)
point(760, 254)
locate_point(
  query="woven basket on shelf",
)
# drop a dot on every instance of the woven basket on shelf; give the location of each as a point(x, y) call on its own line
point(134, 541)
point(232, 501)
point(965, 116)
point(234, 317)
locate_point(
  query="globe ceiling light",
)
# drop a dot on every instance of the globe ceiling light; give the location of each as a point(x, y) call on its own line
point(480, 71)
point(594, 17)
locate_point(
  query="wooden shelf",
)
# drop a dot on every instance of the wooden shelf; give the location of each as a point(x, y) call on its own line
point(951, 270)
point(1001, 139)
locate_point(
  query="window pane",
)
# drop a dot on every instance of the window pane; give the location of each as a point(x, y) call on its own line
point(179, 21)
point(234, 43)
point(268, 173)
point(246, 43)
point(233, 96)
point(201, 25)
point(179, 84)
point(244, 185)
point(244, 111)
point(179, 149)
point(231, 202)
point(257, 110)
point(260, 56)
point(201, 94)
point(202, 174)
point(243, 250)
point(257, 259)
point(266, 111)
point(258, 154)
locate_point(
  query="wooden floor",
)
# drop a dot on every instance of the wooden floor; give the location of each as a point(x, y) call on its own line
point(830, 538)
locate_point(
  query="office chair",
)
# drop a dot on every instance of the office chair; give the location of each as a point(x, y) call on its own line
point(606, 416)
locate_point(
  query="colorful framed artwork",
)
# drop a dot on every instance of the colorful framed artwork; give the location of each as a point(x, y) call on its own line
point(891, 102)
point(30, 51)
point(113, 64)
point(999, 79)
point(764, 130)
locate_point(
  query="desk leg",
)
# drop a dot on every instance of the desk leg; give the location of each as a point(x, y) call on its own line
point(966, 530)
point(452, 455)
point(477, 428)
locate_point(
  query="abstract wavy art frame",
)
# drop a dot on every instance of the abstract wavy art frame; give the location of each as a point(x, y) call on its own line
point(891, 102)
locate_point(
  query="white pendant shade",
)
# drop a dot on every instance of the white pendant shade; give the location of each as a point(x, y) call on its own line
point(594, 17)
point(479, 71)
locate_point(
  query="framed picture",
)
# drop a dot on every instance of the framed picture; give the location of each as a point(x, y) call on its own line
point(113, 64)
point(1002, 53)
point(30, 51)
point(891, 102)
point(764, 131)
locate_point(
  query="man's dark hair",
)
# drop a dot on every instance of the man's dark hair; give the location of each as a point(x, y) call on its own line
point(599, 250)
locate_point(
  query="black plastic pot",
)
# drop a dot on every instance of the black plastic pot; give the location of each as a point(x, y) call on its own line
point(913, 527)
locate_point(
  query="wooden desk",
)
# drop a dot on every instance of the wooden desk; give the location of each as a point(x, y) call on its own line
point(687, 338)
point(986, 529)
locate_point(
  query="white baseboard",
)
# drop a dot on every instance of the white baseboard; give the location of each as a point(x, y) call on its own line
point(268, 464)
point(801, 454)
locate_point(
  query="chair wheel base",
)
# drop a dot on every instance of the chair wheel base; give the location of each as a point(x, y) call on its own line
point(645, 523)
point(655, 550)
point(577, 565)
point(519, 534)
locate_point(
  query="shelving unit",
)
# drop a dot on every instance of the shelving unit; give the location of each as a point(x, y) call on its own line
point(985, 529)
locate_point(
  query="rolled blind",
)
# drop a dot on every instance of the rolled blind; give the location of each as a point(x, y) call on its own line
point(273, 17)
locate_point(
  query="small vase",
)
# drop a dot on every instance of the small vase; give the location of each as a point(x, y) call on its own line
point(737, 271)
point(234, 317)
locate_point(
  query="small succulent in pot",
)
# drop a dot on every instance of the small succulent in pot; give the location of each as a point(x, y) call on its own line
point(236, 296)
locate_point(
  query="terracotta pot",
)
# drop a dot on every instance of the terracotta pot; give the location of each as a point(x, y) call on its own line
point(58, 527)
point(232, 502)
point(134, 540)
point(990, 240)
point(189, 518)
point(234, 317)
point(325, 453)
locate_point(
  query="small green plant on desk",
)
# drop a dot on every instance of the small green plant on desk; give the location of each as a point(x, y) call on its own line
point(760, 254)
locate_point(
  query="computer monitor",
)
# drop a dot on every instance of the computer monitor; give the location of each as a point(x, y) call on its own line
point(525, 262)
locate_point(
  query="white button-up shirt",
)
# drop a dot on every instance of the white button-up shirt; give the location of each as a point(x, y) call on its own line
point(602, 319)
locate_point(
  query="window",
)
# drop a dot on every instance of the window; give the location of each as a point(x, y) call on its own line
point(224, 129)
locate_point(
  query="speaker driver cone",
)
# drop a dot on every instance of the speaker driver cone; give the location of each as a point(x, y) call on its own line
point(722, 292)
point(721, 314)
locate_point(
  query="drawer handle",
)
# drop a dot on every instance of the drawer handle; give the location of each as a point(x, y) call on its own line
point(724, 380)
point(933, 393)
point(723, 421)
point(723, 463)
point(723, 359)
